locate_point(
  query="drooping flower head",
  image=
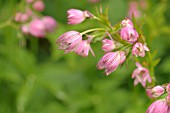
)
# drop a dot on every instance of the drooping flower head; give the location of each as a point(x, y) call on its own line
point(110, 61)
point(139, 49)
point(50, 23)
point(108, 45)
point(37, 28)
point(39, 5)
point(157, 91)
point(159, 106)
point(69, 41)
point(76, 16)
point(83, 48)
point(141, 75)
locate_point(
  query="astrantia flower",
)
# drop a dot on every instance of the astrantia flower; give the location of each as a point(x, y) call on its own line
point(129, 34)
point(108, 45)
point(141, 75)
point(159, 106)
point(110, 61)
point(83, 48)
point(50, 23)
point(37, 28)
point(76, 16)
point(157, 91)
point(139, 49)
point(69, 41)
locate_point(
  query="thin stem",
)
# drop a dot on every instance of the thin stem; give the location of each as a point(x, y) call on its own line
point(91, 30)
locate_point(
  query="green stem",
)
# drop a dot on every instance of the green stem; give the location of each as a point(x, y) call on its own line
point(91, 30)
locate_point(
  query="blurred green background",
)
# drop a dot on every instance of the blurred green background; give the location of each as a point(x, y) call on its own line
point(36, 77)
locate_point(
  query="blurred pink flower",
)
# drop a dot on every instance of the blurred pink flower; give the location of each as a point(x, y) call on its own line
point(149, 92)
point(37, 28)
point(141, 75)
point(76, 16)
point(159, 106)
point(29, 1)
point(83, 48)
point(157, 91)
point(94, 1)
point(110, 61)
point(108, 45)
point(50, 23)
point(139, 49)
point(25, 29)
point(133, 9)
point(168, 88)
point(21, 17)
point(129, 34)
point(69, 41)
point(39, 5)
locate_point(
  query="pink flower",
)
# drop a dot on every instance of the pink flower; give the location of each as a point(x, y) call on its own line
point(94, 1)
point(37, 28)
point(157, 91)
point(168, 100)
point(21, 17)
point(50, 23)
point(39, 5)
point(168, 88)
point(69, 41)
point(141, 75)
point(129, 34)
point(133, 9)
point(29, 1)
point(149, 92)
point(139, 49)
point(110, 61)
point(108, 45)
point(25, 29)
point(76, 16)
point(83, 48)
point(127, 23)
point(159, 106)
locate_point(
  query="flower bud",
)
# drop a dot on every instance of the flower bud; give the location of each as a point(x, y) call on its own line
point(39, 6)
point(157, 91)
point(168, 88)
point(108, 45)
point(127, 22)
point(25, 29)
point(50, 23)
point(139, 49)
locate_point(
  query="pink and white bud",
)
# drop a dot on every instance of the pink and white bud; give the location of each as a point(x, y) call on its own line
point(127, 23)
point(37, 28)
point(25, 29)
point(29, 1)
point(168, 88)
point(39, 5)
point(139, 49)
point(50, 23)
point(76, 16)
point(83, 48)
point(168, 100)
point(159, 106)
point(69, 41)
point(129, 34)
point(157, 91)
point(133, 9)
point(141, 75)
point(108, 45)
point(110, 61)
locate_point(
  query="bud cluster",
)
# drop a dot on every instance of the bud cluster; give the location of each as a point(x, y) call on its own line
point(33, 24)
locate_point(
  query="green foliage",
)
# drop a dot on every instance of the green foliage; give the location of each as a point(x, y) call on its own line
point(35, 77)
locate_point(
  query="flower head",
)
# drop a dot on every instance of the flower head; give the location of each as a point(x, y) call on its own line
point(69, 41)
point(157, 91)
point(139, 49)
point(108, 45)
point(37, 28)
point(168, 88)
point(127, 23)
point(159, 106)
point(76, 16)
point(39, 5)
point(110, 61)
point(141, 75)
point(50, 23)
point(83, 48)
point(129, 34)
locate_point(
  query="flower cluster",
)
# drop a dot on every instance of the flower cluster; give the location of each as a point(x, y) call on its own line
point(161, 105)
point(33, 24)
